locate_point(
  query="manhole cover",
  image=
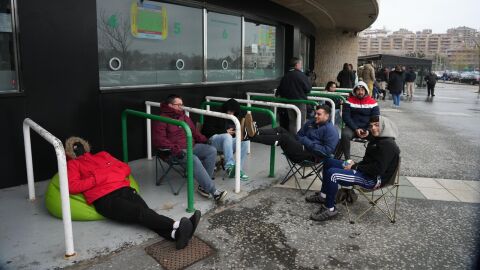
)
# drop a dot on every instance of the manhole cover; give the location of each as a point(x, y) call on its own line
point(164, 252)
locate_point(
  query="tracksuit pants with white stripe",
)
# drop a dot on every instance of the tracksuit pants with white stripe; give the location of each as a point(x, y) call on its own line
point(334, 175)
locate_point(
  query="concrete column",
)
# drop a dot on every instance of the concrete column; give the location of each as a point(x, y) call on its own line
point(332, 49)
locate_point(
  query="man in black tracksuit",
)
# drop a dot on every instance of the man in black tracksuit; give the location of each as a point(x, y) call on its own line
point(294, 85)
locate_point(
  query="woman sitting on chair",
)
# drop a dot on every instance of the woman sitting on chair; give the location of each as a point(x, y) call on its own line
point(377, 166)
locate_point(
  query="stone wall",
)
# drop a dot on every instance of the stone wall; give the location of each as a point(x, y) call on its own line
point(333, 48)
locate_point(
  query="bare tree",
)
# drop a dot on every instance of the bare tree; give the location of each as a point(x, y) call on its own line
point(114, 35)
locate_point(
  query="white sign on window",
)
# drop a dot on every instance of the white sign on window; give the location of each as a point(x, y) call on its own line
point(5, 22)
point(254, 48)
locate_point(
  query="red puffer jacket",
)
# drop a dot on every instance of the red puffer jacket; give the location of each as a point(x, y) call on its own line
point(96, 175)
point(173, 137)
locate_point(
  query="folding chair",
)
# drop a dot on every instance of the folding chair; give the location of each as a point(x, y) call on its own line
point(390, 187)
point(171, 163)
point(300, 169)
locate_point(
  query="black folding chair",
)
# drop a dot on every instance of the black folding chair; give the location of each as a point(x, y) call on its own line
point(300, 169)
point(386, 193)
point(168, 162)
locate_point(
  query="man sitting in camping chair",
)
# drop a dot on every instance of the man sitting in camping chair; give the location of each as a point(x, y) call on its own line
point(377, 166)
point(313, 142)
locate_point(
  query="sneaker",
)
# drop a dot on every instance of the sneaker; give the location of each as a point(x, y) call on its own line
point(195, 219)
point(323, 214)
point(183, 233)
point(230, 170)
point(250, 126)
point(243, 176)
point(219, 195)
point(315, 198)
point(203, 192)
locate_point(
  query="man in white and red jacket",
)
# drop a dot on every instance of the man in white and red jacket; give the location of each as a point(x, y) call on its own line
point(172, 137)
point(103, 180)
point(358, 109)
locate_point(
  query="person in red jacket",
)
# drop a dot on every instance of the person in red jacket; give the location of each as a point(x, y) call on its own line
point(103, 180)
point(172, 137)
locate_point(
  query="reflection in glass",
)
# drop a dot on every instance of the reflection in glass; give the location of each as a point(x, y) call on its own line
point(224, 34)
point(8, 76)
point(149, 38)
point(262, 42)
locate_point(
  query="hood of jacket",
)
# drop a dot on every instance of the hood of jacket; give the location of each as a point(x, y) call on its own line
point(170, 112)
point(231, 105)
point(69, 146)
point(387, 128)
point(364, 85)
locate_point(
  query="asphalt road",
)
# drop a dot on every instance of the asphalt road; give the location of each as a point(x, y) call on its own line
point(440, 136)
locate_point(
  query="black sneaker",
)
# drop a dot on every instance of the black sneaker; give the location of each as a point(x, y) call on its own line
point(183, 233)
point(195, 219)
point(219, 195)
point(250, 126)
point(315, 198)
point(323, 214)
point(203, 192)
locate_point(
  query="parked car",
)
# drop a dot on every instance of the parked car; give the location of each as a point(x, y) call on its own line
point(454, 76)
point(470, 77)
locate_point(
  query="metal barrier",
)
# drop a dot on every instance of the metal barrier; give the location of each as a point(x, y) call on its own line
point(330, 95)
point(251, 109)
point(311, 100)
point(263, 103)
point(339, 90)
point(188, 133)
point(62, 172)
point(202, 112)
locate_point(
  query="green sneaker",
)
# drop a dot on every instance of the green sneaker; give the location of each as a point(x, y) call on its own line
point(230, 169)
point(243, 176)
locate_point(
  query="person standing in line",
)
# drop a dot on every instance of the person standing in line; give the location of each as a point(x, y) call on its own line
point(395, 85)
point(354, 73)
point(431, 80)
point(368, 75)
point(382, 79)
point(410, 78)
point(295, 85)
point(404, 71)
point(346, 77)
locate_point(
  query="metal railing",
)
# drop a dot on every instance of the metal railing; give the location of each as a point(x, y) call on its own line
point(62, 172)
point(188, 134)
point(238, 140)
point(251, 109)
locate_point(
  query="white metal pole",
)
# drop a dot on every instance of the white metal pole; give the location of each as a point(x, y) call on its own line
point(62, 171)
point(28, 160)
point(149, 132)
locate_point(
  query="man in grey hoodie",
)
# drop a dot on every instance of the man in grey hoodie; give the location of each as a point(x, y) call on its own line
point(377, 166)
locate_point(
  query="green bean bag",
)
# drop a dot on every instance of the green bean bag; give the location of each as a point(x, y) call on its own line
point(79, 209)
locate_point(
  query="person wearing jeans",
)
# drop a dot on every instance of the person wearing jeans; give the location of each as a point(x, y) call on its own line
point(103, 181)
point(172, 137)
point(395, 85)
point(222, 136)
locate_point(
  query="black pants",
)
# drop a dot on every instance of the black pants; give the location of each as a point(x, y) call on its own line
point(293, 149)
point(125, 205)
point(347, 135)
point(431, 89)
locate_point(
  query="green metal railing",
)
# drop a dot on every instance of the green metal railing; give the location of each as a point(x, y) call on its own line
point(339, 90)
point(284, 100)
point(252, 109)
point(331, 95)
point(188, 133)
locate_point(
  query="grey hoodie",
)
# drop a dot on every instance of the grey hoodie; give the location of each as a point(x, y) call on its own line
point(387, 128)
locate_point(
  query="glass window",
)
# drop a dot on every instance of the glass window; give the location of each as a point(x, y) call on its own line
point(8, 74)
point(224, 39)
point(263, 51)
point(305, 51)
point(148, 43)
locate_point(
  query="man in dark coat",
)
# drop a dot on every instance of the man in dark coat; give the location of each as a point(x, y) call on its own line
point(395, 85)
point(431, 80)
point(346, 77)
point(295, 85)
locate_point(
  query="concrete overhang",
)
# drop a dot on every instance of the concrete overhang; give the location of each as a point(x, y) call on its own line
point(348, 15)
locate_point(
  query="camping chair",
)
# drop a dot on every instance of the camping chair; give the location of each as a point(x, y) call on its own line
point(300, 169)
point(171, 163)
point(387, 192)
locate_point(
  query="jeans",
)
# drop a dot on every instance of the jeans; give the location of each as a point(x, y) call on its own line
point(334, 174)
point(227, 144)
point(347, 135)
point(292, 148)
point(125, 205)
point(396, 99)
point(204, 157)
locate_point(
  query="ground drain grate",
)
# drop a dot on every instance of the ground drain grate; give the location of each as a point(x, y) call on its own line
point(164, 252)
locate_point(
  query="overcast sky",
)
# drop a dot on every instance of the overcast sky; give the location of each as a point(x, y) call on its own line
point(438, 15)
